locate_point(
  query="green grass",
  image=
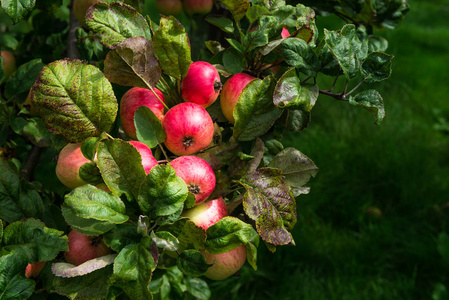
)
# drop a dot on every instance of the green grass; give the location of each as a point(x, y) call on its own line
point(399, 167)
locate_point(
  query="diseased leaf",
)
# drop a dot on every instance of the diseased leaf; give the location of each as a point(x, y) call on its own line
point(163, 192)
point(66, 270)
point(74, 99)
point(133, 63)
point(90, 203)
point(289, 93)
point(269, 201)
point(165, 240)
point(17, 199)
point(172, 47)
point(120, 165)
point(376, 67)
point(18, 9)
point(296, 167)
point(238, 8)
point(113, 23)
point(255, 112)
point(33, 240)
point(192, 263)
point(372, 101)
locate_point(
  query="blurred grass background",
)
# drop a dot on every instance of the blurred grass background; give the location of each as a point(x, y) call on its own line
point(369, 227)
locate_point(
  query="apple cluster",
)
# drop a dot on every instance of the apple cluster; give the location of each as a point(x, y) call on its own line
point(189, 129)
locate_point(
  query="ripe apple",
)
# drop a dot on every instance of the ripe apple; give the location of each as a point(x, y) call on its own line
point(83, 248)
point(148, 160)
point(9, 63)
point(207, 213)
point(202, 84)
point(197, 174)
point(80, 7)
point(225, 264)
point(188, 128)
point(69, 163)
point(132, 100)
point(169, 7)
point(33, 270)
point(231, 92)
point(200, 7)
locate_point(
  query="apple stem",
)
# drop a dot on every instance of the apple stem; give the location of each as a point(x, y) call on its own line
point(163, 151)
point(157, 96)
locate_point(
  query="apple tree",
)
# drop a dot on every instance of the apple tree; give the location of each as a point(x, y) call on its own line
point(141, 153)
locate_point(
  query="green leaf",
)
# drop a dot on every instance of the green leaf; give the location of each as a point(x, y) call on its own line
point(347, 49)
point(238, 8)
point(236, 45)
point(17, 199)
point(377, 43)
point(188, 234)
point(255, 112)
point(289, 93)
point(269, 201)
point(2, 71)
point(165, 240)
point(376, 67)
point(113, 23)
point(372, 101)
point(90, 286)
point(163, 192)
point(121, 167)
point(34, 241)
point(223, 23)
point(1, 230)
point(443, 246)
point(133, 63)
point(74, 99)
point(255, 11)
point(132, 270)
point(90, 203)
point(18, 9)
point(172, 47)
point(13, 283)
point(90, 173)
point(298, 54)
point(121, 236)
point(229, 233)
point(233, 61)
point(149, 128)
point(22, 80)
point(32, 128)
point(296, 167)
point(198, 288)
point(89, 146)
point(254, 39)
point(192, 263)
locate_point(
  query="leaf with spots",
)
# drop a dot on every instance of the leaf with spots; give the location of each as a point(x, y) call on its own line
point(74, 100)
point(269, 201)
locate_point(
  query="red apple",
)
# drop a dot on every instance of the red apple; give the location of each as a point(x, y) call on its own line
point(225, 264)
point(33, 270)
point(132, 100)
point(83, 248)
point(188, 127)
point(197, 174)
point(148, 160)
point(207, 213)
point(202, 84)
point(169, 7)
point(9, 63)
point(69, 163)
point(231, 92)
point(80, 7)
point(200, 7)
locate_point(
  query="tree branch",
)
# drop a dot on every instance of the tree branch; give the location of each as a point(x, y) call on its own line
point(72, 49)
point(30, 164)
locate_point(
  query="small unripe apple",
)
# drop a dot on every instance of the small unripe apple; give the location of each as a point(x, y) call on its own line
point(230, 93)
point(200, 7)
point(132, 100)
point(202, 84)
point(9, 63)
point(207, 213)
point(169, 7)
point(70, 160)
point(33, 270)
point(80, 7)
point(197, 174)
point(148, 160)
point(83, 248)
point(188, 128)
point(225, 264)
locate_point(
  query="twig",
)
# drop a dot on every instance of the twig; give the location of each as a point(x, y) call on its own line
point(30, 164)
point(72, 49)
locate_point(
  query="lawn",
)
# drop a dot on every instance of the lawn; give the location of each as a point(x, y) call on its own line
point(369, 227)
